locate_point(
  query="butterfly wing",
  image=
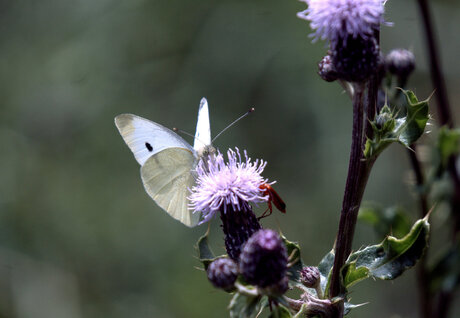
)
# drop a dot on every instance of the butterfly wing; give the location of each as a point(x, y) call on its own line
point(203, 128)
point(167, 176)
point(146, 138)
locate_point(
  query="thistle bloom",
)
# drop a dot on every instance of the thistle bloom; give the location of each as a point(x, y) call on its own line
point(339, 19)
point(222, 186)
point(230, 188)
point(350, 26)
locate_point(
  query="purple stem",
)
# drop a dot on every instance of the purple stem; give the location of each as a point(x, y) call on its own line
point(445, 118)
point(358, 173)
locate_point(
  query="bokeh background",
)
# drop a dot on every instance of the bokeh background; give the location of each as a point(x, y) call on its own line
point(79, 237)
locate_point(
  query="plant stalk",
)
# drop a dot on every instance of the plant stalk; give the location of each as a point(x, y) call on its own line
point(422, 275)
point(445, 118)
point(358, 173)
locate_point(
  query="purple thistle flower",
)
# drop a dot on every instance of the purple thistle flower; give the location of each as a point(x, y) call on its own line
point(339, 19)
point(224, 186)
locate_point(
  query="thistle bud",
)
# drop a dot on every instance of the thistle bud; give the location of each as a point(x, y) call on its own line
point(222, 273)
point(263, 261)
point(238, 226)
point(279, 288)
point(326, 69)
point(310, 276)
point(400, 62)
point(355, 59)
point(384, 121)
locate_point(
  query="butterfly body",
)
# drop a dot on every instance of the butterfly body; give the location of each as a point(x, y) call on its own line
point(167, 160)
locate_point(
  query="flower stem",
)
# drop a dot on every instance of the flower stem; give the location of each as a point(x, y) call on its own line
point(437, 77)
point(422, 275)
point(358, 173)
point(445, 118)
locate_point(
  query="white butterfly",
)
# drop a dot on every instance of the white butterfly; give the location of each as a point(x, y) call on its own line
point(167, 161)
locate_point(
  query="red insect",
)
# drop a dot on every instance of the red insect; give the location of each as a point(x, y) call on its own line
point(273, 197)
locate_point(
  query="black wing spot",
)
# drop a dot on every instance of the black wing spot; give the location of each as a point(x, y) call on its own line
point(149, 146)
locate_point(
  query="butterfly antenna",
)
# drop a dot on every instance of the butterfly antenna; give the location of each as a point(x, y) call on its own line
point(251, 110)
point(177, 130)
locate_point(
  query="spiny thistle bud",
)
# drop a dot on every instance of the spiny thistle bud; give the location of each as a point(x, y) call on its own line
point(230, 188)
point(400, 62)
point(326, 69)
point(355, 59)
point(263, 261)
point(310, 277)
point(383, 120)
point(238, 226)
point(222, 273)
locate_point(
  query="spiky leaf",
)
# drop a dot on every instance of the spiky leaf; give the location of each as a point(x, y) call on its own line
point(412, 126)
point(205, 254)
point(388, 259)
point(242, 306)
point(280, 312)
point(295, 261)
point(325, 270)
point(389, 128)
point(392, 220)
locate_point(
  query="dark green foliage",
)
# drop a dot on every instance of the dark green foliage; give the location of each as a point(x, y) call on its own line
point(388, 259)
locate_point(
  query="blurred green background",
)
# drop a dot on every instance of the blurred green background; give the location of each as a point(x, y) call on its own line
point(79, 237)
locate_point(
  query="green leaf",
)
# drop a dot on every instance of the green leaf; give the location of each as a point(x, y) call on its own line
point(388, 259)
point(280, 312)
point(448, 144)
point(445, 274)
point(325, 270)
point(295, 260)
point(411, 127)
point(392, 220)
point(389, 128)
point(242, 306)
point(205, 254)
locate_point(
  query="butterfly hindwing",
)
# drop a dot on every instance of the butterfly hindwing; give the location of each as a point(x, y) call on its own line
point(167, 176)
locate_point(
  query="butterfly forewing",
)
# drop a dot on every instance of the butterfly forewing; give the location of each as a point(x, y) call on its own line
point(167, 176)
point(203, 128)
point(145, 138)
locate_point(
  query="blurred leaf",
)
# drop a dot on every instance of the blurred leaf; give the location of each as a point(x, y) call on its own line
point(445, 274)
point(242, 306)
point(325, 268)
point(448, 144)
point(205, 255)
point(392, 220)
point(295, 260)
point(405, 130)
point(388, 259)
point(280, 312)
